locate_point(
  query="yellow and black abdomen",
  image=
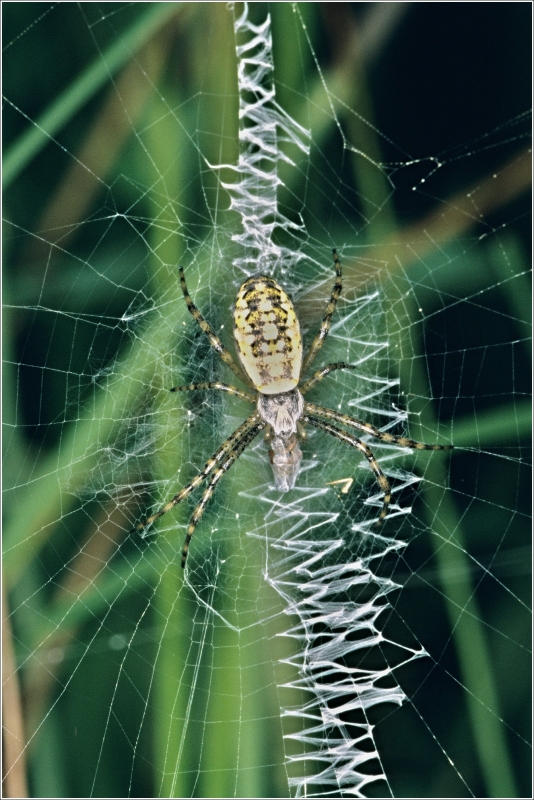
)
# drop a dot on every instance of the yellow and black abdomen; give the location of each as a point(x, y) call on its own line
point(267, 335)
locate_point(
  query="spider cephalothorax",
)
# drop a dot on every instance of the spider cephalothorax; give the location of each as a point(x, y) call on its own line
point(269, 345)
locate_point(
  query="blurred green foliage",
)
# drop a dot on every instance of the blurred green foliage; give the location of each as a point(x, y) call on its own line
point(100, 100)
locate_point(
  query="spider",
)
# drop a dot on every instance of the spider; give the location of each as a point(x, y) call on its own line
point(269, 346)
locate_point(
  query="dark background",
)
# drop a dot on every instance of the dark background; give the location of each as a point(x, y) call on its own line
point(445, 81)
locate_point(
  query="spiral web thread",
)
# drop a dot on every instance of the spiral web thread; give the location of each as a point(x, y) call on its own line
point(107, 323)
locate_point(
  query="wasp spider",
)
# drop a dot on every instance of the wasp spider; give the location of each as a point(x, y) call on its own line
point(269, 345)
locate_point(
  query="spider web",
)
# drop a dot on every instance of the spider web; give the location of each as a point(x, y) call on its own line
point(302, 652)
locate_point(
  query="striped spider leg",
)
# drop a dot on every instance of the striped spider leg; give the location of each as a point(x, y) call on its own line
point(327, 319)
point(313, 416)
point(269, 347)
point(365, 427)
point(233, 454)
point(235, 443)
point(215, 342)
point(348, 438)
point(232, 447)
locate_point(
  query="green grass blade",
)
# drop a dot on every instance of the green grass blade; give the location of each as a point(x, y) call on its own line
point(81, 90)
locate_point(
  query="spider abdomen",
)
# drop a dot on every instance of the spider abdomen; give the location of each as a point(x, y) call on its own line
point(267, 335)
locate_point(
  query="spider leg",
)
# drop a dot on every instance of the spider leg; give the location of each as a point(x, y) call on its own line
point(234, 440)
point(322, 373)
point(325, 324)
point(354, 442)
point(401, 441)
point(233, 455)
point(215, 342)
point(223, 387)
